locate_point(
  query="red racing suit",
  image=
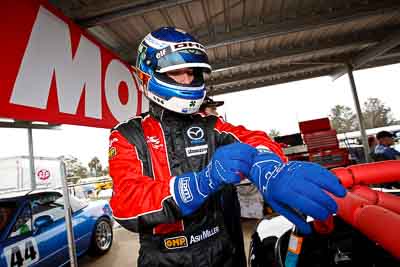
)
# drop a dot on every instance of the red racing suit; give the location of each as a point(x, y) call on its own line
point(146, 152)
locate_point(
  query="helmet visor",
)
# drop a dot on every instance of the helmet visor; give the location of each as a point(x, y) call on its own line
point(186, 58)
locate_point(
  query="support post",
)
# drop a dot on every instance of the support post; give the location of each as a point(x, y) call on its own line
point(359, 113)
point(68, 217)
point(31, 159)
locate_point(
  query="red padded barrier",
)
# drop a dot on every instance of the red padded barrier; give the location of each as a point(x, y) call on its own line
point(385, 200)
point(345, 176)
point(324, 227)
point(348, 205)
point(380, 225)
point(369, 173)
point(374, 213)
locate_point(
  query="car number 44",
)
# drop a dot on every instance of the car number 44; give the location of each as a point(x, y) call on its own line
point(23, 253)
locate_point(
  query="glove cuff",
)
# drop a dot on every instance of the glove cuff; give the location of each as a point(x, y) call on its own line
point(185, 190)
point(266, 164)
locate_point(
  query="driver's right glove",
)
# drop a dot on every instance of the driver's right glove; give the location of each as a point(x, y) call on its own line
point(296, 186)
point(228, 164)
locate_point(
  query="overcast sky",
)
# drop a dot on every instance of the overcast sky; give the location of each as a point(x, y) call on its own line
point(278, 107)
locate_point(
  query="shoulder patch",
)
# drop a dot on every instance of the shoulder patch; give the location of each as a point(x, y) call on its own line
point(112, 152)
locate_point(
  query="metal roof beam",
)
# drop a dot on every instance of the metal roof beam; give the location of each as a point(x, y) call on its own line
point(239, 87)
point(132, 9)
point(218, 89)
point(364, 57)
point(351, 42)
point(269, 73)
point(348, 42)
point(384, 60)
point(249, 33)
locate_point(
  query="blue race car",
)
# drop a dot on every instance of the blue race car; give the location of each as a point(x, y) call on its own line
point(33, 230)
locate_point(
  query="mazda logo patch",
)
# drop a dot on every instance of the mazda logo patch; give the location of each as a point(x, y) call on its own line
point(195, 133)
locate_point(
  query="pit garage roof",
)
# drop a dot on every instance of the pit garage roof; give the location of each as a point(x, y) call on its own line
point(254, 43)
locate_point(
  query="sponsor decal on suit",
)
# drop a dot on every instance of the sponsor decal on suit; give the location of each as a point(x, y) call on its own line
point(176, 242)
point(195, 133)
point(184, 190)
point(196, 150)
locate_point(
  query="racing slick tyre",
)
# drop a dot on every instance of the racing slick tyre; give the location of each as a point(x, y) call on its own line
point(102, 237)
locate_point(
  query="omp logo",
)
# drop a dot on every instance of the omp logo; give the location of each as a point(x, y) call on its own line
point(195, 133)
point(176, 242)
point(184, 190)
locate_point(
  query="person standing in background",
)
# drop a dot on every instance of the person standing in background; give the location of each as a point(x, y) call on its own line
point(209, 106)
point(383, 150)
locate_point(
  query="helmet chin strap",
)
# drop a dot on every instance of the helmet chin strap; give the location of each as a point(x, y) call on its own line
point(176, 104)
point(163, 114)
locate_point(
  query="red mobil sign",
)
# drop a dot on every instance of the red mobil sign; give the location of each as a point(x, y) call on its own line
point(53, 71)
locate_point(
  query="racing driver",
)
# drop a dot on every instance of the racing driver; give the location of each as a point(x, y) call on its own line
point(174, 169)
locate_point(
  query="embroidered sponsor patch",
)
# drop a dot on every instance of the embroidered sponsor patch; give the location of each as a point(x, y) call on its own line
point(112, 152)
point(176, 242)
point(154, 141)
point(184, 190)
point(112, 141)
point(204, 235)
point(195, 133)
point(196, 150)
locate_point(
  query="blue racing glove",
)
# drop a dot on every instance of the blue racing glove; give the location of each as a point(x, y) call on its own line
point(228, 163)
point(296, 186)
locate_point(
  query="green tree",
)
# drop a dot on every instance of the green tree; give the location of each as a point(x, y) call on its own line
point(74, 167)
point(82, 172)
point(274, 133)
point(377, 114)
point(95, 167)
point(106, 171)
point(343, 119)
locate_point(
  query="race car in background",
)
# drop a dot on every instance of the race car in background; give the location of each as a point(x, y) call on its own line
point(364, 232)
point(33, 230)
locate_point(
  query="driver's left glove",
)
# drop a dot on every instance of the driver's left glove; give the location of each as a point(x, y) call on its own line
point(296, 185)
point(228, 164)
